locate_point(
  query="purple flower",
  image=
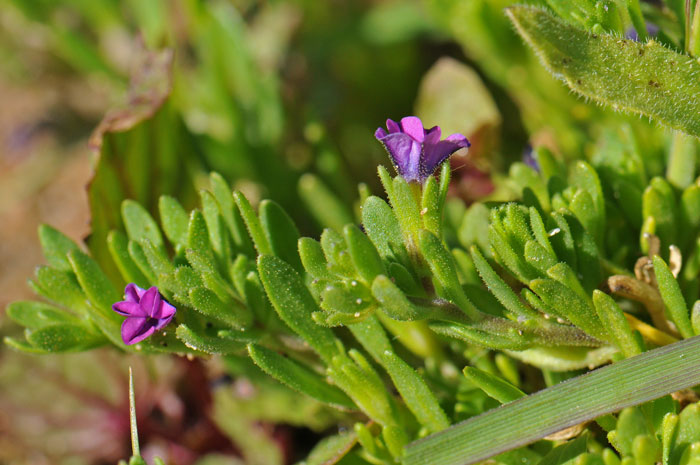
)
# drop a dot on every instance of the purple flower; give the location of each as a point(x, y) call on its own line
point(146, 312)
point(416, 152)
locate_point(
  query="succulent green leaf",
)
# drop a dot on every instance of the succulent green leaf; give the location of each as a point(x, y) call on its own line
point(657, 82)
point(34, 315)
point(281, 232)
point(394, 301)
point(494, 386)
point(56, 247)
point(364, 255)
point(119, 249)
point(499, 288)
point(140, 225)
point(313, 260)
point(98, 288)
point(566, 452)
point(174, 220)
point(139, 258)
point(295, 304)
point(64, 337)
point(255, 229)
point(207, 344)
point(615, 323)
point(210, 305)
point(659, 203)
point(413, 389)
point(231, 214)
point(216, 226)
point(60, 287)
point(298, 377)
point(569, 304)
point(443, 268)
point(673, 298)
point(331, 450)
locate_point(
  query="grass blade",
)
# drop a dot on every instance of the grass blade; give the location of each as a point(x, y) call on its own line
point(630, 382)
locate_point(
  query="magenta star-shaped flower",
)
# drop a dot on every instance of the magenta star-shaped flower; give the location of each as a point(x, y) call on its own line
point(416, 152)
point(146, 312)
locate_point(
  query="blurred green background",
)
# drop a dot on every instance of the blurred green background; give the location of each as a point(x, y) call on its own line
point(282, 98)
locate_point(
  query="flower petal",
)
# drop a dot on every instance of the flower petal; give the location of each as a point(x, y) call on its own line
point(133, 293)
point(127, 308)
point(136, 329)
point(405, 154)
point(380, 133)
point(392, 126)
point(432, 135)
point(413, 126)
point(435, 154)
point(166, 311)
point(148, 300)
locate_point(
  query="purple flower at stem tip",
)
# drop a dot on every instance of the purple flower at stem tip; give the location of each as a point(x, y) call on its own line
point(416, 152)
point(146, 312)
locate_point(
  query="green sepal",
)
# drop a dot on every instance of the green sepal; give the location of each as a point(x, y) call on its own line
point(406, 208)
point(673, 298)
point(56, 247)
point(140, 225)
point(494, 386)
point(431, 206)
point(383, 229)
point(281, 232)
point(118, 245)
point(364, 255)
point(207, 344)
point(174, 219)
point(295, 305)
point(299, 377)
